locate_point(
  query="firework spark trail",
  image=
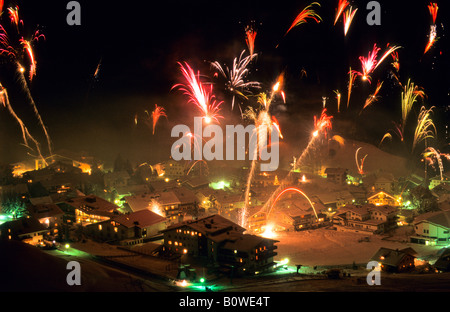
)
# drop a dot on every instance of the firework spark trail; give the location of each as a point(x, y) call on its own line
point(157, 113)
point(341, 7)
point(198, 95)
point(250, 39)
point(432, 38)
point(338, 97)
point(351, 80)
point(360, 165)
point(6, 48)
point(33, 105)
point(263, 124)
point(409, 97)
point(372, 97)
point(429, 153)
point(4, 99)
point(307, 13)
point(236, 75)
point(425, 127)
point(197, 162)
point(349, 14)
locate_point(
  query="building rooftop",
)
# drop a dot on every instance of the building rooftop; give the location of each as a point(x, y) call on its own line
point(142, 218)
point(441, 218)
point(45, 210)
point(391, 257)
point(246, 242)
point(215, 227)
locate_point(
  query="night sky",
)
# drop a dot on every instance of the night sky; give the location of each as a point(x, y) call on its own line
point(139, 44)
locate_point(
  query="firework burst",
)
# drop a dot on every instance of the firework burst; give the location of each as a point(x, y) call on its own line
point(349, 14)
point(425, 128)
point(322, 124)
point(433, 156)
point(373, 97)
point(433, 8)
point(236, 75)
point(250, 33)
point(409, 97)
point(199, 95)
point(157, 113)
point(370, 63)
point(341, 7)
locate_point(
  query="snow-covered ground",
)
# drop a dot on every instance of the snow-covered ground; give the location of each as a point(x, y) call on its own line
point(324, 247)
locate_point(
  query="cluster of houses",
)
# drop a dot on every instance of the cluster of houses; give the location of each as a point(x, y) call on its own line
point(190, 214)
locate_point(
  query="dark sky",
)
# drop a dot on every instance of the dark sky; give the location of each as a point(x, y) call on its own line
point(139, 44)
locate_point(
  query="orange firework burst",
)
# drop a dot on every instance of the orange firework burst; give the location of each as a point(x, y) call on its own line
point(370, 63)
point(341, 7)
point(307, 13)
point(199, 95)
point(28, 48)
point(156, 114)
point(14, 17)
point(396, 62)
point(433, 8)
point(250, 38)
point(322, 124)
point(349, 14)
point(373, 97)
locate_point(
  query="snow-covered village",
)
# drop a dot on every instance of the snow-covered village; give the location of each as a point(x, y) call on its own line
point(294, 152)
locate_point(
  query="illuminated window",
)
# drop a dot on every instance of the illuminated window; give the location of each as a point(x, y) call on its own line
point(185, 251)
point(176, 243)
point(115, 229)
point(169, 242)
point(100, 227)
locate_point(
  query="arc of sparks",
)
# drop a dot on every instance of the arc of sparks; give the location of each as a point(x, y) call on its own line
point(304, 15)
point(360, 164)
point(296, 190)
